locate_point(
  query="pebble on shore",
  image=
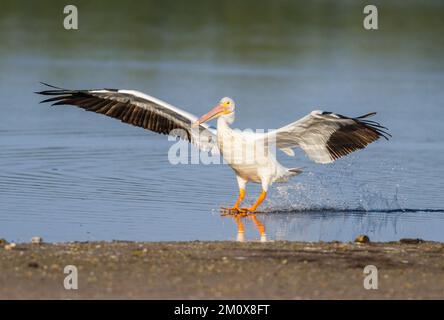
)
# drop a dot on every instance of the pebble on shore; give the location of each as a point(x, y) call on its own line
point(10, 246)
point(362, 239)
point(37, 240)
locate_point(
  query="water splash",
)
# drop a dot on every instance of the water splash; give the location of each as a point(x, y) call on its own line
point(344, 187)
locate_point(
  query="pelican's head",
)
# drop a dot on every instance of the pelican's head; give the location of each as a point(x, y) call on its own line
point(225, 108)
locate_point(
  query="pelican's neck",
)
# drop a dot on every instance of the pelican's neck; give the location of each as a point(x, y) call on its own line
point(223, 131)
point(224, 121)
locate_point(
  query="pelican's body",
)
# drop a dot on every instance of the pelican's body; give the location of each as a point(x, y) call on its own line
point(262, 167)
point(324, 136)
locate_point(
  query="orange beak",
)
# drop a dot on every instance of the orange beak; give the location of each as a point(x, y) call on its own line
point(213, 113)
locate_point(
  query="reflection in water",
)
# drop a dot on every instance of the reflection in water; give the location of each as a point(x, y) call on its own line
point(340, 225)
point(242, 218)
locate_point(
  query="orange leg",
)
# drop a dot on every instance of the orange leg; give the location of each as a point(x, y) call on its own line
point(256, 204)
point(239, 200)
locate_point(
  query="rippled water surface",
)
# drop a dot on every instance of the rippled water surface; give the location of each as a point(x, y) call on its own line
point(67, 175)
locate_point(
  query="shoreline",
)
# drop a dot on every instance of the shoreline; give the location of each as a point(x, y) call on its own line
point(411, 269)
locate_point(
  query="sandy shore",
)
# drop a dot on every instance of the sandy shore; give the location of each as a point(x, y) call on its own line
point(228, 270)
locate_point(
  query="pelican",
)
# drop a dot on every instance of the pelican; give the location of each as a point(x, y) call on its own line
point(323, 136)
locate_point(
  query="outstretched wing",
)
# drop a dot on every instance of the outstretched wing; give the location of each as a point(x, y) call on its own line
point(327, 136)
point(138, 109)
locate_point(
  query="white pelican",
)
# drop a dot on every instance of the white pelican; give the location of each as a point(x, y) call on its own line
point(323, 136)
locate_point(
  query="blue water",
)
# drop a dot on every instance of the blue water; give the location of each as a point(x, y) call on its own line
point(68, 175)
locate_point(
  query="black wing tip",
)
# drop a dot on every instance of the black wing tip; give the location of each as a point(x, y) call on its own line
point(50, 85)
point(374, 132)
point(386, 136)
point(367, 115)
point(58, 90)
point(55, 90)
point(376, 127)
point(58, 94)
point(381, 131)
